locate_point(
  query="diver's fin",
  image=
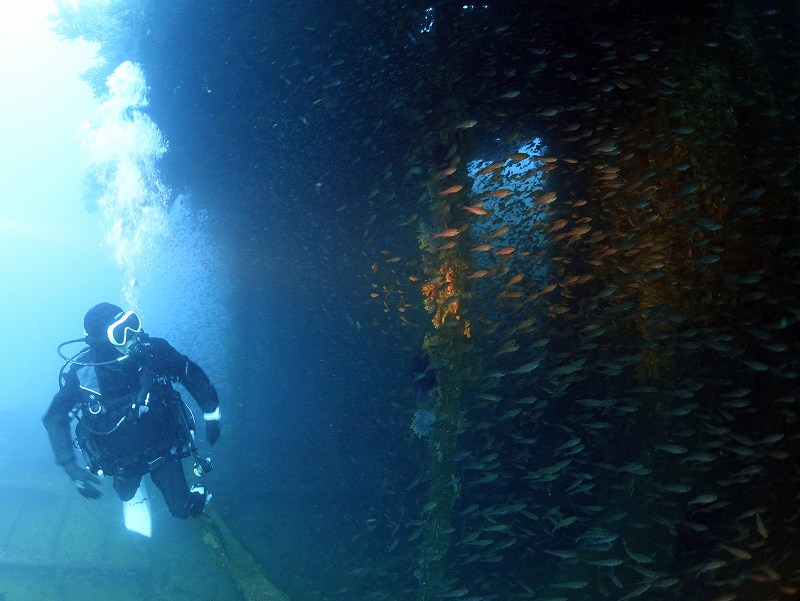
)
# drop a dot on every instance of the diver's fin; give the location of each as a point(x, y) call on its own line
point(137, 512)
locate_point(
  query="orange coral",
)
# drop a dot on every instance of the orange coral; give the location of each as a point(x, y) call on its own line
point(442, 298)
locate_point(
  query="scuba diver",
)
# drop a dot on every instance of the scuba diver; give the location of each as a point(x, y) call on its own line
point(130, 420)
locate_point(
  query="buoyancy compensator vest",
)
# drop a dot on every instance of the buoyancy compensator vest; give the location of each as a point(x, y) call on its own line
point(129, 420)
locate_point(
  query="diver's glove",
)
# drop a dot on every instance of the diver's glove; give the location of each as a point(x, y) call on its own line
point(84, 481)
point(213, 428)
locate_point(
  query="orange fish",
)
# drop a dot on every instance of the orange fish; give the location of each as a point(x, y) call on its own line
point(518, 156)
point(576, 233)
point(490, 167)
point(499, 232)
point(547, 289)
point(505, 251)
point(500, 193)
point(546, 199)
point(477, 209)
point(515, 280)
point(447, 245)
point(449, 233)
point(451, 190)
point(478, 274)
point(446, 172)
point(481, 248)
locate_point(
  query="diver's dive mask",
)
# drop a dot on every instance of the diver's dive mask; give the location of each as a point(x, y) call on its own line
point(125, 331)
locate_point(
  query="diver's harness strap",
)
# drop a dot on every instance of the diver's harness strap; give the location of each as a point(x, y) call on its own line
point(138, 407)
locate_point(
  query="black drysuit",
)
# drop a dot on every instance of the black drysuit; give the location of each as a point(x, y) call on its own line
point(131, 418)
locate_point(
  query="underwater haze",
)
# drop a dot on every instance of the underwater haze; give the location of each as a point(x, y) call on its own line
point(52, 260)
point(500, 299)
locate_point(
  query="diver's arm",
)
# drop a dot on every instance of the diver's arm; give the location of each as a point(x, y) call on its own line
point(56, 420)
point(187, 372)
point(197, 383)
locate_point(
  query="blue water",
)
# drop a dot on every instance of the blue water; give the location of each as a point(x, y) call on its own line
point(621, 386)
